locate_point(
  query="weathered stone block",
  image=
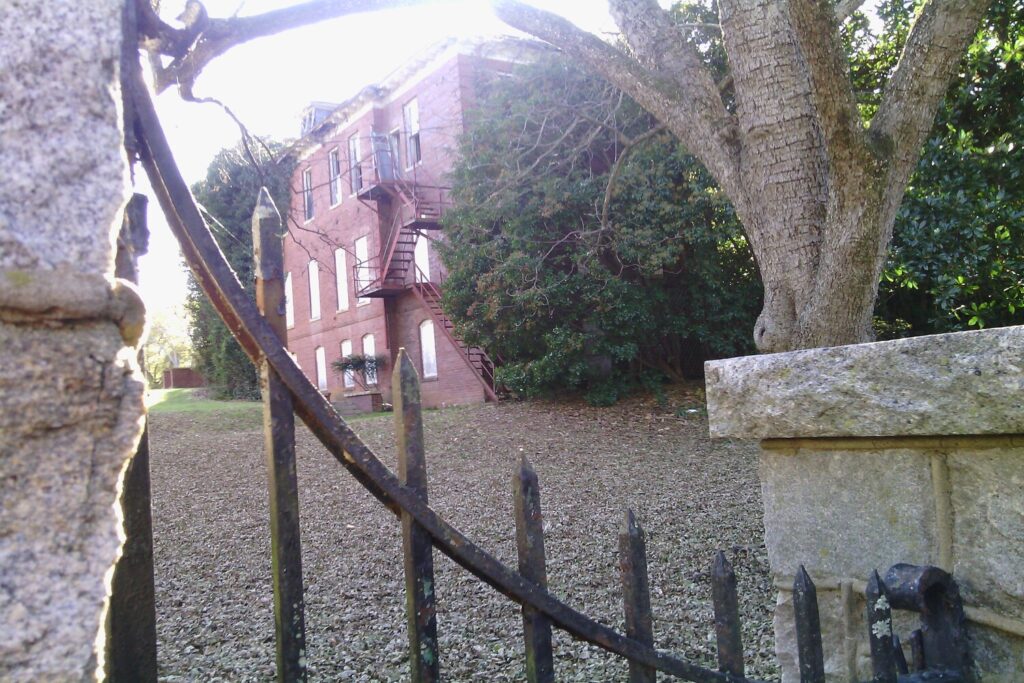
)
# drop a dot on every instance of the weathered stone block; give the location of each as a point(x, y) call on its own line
point(845, 513)
point(830, 611)
point(70, 396)
point(70, 411)
point(962, 383)
point(998, 656)
point(63, 176)
point(987, 491)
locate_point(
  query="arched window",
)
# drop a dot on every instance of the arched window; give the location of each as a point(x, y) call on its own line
point(428, 351)
point(321, 368)
point(348, 379)
point(369, 351)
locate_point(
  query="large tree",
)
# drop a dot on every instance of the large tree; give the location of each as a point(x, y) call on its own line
point(815, 180)
point(228, 197)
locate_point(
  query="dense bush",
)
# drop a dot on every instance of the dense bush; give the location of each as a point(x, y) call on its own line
point(957, 256)
point(571, 296)
point(228, 197)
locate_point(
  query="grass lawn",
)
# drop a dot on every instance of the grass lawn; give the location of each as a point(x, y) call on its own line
point(192, 401)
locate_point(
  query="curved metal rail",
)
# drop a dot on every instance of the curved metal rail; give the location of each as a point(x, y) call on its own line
point(260, 342)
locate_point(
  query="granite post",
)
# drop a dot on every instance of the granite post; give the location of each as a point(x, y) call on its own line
point(900, 451)
point(71, 396)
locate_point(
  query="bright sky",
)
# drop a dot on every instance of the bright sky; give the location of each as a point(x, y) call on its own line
point(267, 82)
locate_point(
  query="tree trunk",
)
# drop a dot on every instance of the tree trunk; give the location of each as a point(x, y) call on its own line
point(815, 187)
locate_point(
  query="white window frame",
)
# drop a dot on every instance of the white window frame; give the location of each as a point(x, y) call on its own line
point(334, 173)
point(369, 350)
point(320, 359)
point(314, 289)
point(421, 258)
point(348, 379)
point(289, 302)
point(428, 350)
point(308, 209)
point(341, 278)
point(363, 265)
point(355, 169)
point(413, 141)
point(395, 147)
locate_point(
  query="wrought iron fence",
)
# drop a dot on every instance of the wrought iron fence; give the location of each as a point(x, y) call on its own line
point(939, 650)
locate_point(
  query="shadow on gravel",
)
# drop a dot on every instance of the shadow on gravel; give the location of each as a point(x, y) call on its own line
point(693, 496)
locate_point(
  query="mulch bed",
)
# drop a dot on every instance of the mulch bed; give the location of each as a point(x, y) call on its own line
point(692, 496)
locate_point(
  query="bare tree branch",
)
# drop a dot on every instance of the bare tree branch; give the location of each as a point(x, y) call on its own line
point(206, 39)
point(613, 177)
point(929, 61)
point(845, 8)
point(657, 41)
point(697, 117)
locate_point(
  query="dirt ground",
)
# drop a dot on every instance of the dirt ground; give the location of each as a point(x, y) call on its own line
point(692, 496)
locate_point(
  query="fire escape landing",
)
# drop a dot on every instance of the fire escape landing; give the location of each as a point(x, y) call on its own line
point(413, 208)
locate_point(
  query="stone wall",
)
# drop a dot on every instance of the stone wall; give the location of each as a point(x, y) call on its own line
point(901, 451)
point(70, 392)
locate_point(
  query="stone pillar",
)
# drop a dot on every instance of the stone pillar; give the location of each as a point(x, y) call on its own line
point(900, 451)
point(70, 391)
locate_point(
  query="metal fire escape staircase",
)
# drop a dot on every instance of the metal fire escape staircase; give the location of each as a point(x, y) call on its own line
point(476, 358)
point(414, 209)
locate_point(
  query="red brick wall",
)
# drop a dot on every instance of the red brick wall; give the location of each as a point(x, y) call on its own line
point(456, 383)
point(442, 97)
point(182, 378)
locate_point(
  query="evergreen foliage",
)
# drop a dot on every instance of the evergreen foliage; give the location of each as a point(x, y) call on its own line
point(228, 196)
point(957, 257)
point(566, 300)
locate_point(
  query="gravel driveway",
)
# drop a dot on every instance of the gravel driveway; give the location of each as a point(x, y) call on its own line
point(692, 496)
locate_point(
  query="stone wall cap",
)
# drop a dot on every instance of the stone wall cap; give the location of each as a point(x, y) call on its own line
point(947, 384)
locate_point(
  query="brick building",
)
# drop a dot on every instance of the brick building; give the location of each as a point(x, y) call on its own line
point(363, 276)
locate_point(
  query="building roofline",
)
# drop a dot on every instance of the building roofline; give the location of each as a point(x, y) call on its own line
point(505, 48)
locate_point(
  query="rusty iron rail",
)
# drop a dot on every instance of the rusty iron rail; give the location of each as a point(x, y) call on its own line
point(279, 451)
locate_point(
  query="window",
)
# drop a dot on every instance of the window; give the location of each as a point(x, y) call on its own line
point(421, 257)
point(428, 352)
point(307, 193)
point(411, 119)
point(334, 171)
point(362, 268)
point(314, 290)
point(395, 144)
point(383, 159)
point(341, 279)
point(348, 379)
point(321, 368)
point(369, 351)
point(355, 170)
point(289, 302)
